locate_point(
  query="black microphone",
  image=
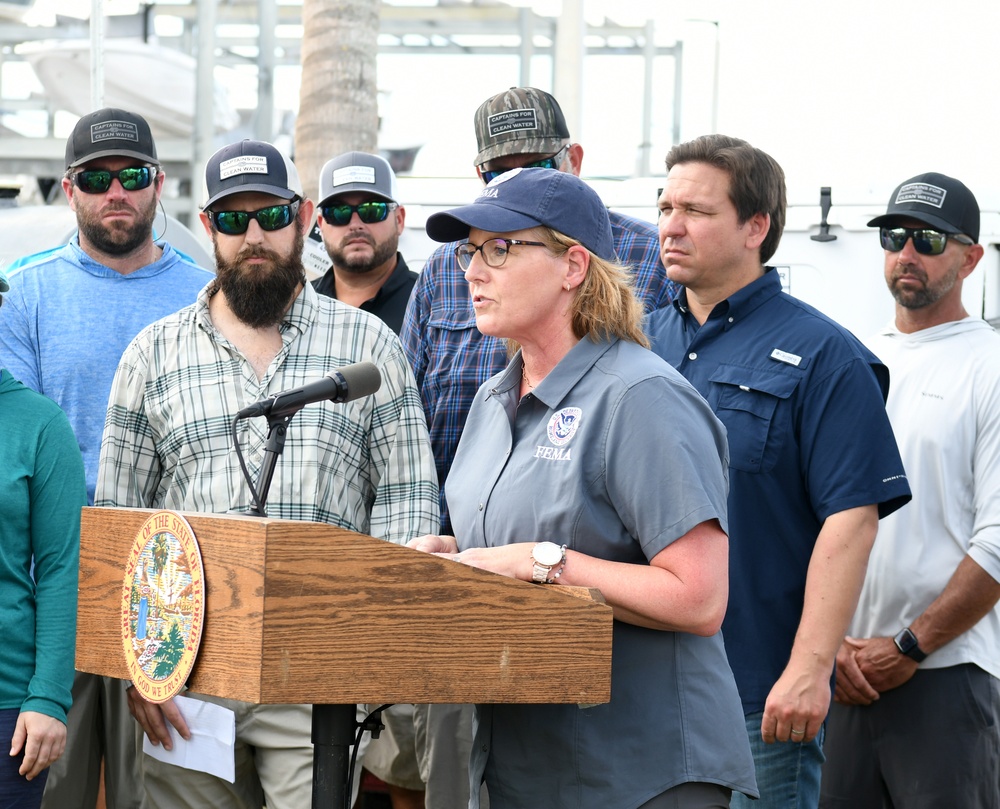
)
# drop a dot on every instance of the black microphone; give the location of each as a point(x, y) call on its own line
point(349, 383)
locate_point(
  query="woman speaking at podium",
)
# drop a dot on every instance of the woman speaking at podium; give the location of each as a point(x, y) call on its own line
point(589, 461)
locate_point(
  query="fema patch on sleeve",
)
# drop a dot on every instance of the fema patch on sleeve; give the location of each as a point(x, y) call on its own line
point(563, 425)
point(921, 192)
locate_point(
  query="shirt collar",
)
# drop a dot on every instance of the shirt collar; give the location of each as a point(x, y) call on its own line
point(567, 373)
point(94, 267)
point(742, 302)
point(399, 276)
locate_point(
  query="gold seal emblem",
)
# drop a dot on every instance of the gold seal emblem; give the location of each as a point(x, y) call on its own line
point(163, 606)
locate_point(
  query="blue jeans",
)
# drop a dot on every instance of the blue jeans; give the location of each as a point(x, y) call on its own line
point(16, 791)
point(788, 773)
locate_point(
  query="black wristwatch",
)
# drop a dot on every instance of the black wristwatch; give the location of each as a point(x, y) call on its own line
point(906, 642)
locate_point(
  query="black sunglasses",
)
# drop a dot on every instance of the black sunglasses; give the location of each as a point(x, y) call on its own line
point(273, 217)
point(368, 212)
point(98, 181)
point(926, 241)
point(552, 162)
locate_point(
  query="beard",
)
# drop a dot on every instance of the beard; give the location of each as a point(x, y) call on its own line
point(117, 238)
point(925, 295)
point(359, 265)
point(259, 296)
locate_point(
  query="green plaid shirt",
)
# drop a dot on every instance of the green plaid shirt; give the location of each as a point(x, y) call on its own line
point(365, 465)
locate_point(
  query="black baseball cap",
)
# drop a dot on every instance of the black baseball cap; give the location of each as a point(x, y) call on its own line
point(110, 132)
point(936, 200)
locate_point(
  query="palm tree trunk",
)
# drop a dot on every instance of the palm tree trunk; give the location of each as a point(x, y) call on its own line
point(338, 97)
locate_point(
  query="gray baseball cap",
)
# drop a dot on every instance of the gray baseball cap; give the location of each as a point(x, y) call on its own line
point(251, 165)
point(357, 171)
point(521, 120)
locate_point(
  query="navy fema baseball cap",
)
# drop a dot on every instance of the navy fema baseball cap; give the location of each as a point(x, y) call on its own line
point(251, 166)
point(936, 200)
point(526, 198)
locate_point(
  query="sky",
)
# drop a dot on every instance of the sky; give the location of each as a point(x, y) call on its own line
point(857, 94)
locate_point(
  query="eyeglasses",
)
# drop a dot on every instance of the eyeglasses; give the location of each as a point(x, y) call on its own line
point(273, 217)
point(927, 242)
point(553, 162)
point(368, 212)
point(98, 181)
point(494, 251)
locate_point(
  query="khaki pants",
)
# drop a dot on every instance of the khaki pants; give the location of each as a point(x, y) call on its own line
point(427, 747)
point(274, 760)
point(98, 726)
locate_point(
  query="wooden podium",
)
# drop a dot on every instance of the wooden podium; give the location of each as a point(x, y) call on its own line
point(304, 612)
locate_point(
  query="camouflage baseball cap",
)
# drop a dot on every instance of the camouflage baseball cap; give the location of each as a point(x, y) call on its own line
point(521, 120)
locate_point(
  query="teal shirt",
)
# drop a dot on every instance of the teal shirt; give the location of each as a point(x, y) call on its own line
point(42, 490)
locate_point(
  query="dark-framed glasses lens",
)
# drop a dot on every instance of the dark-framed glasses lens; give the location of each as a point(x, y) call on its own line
point(494, 252)
point(464, 253)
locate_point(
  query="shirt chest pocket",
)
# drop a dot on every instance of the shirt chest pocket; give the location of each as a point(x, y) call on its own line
point(462, 355)
point(461, 318)
point(748, 402)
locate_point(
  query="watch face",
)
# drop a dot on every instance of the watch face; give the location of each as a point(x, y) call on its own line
point(905, 641)
point(547, 553)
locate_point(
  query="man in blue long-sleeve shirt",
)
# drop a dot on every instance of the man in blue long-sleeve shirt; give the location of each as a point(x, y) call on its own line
point(63, 327)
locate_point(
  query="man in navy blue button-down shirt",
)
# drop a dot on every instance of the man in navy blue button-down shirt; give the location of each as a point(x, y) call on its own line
point(813, 461)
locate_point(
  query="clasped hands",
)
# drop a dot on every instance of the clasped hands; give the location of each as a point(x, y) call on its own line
point(868, 666)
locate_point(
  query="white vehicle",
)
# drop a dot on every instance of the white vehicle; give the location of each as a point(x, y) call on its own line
point(831, 260)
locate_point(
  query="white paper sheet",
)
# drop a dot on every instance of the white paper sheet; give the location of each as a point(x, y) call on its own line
point(212, 745)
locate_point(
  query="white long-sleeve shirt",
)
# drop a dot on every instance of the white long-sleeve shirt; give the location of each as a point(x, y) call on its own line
point(944, 405)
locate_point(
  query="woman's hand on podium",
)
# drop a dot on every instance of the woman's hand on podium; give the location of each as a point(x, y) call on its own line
point(434, 543)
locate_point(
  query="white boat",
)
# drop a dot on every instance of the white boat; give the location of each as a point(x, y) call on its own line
point(152, 80)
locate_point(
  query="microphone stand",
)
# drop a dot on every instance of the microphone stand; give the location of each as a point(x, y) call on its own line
point(333, 726)
point(277, 427)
